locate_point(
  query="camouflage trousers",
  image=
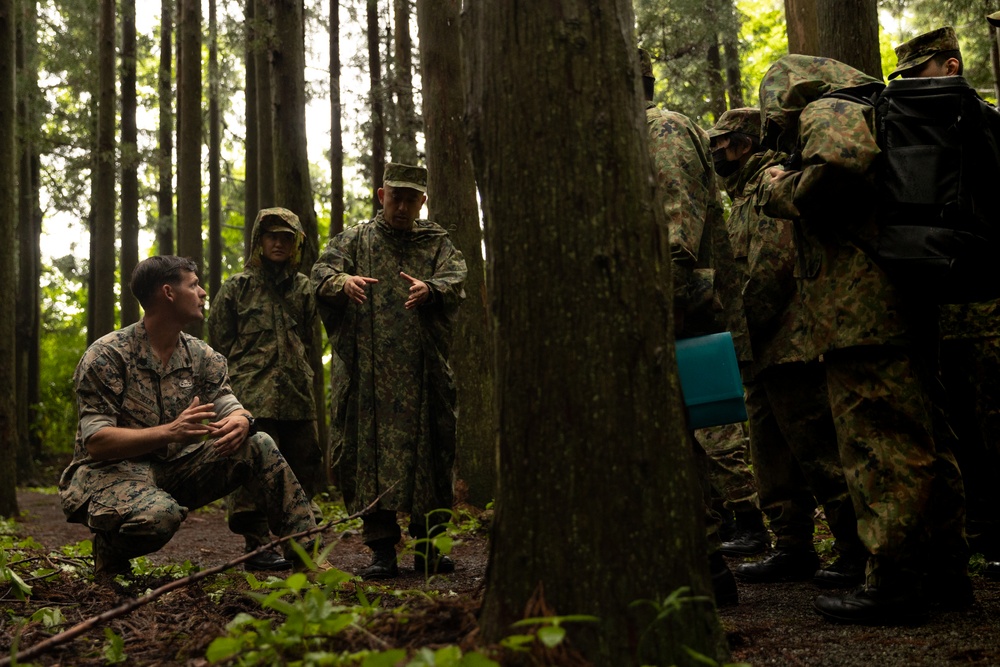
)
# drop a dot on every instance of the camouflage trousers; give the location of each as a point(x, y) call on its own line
point(381, 527)
point(796, 458)
point(726, 446)
point(906, 488)
point(970, 372)
point(137, 517)
point(299, 444)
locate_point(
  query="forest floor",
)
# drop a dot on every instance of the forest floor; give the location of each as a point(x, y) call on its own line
point(774, 624)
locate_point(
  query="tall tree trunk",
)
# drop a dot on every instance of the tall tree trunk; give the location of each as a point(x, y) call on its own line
point(129, 167)
point(27, 303)
point(263, 37)
point(802, 27)
point(251, 198)
point(995, 61)
point(587, 392)
point(102, 259)
point(717, 85)
point(336, 127)
point(730, 37)
point(376, 99)
point(189, 227)
point(452, 204)
point(214, 157)
point(404, 136)
point(850, 33)
point(165, 150)
point(8, 260)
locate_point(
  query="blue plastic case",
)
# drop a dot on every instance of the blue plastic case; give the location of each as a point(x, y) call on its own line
point(710, 380)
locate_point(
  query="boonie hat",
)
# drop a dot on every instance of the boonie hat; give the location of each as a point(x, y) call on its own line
point(994, 18)
point(922, 48)
point(405, 176)
point(745, 120)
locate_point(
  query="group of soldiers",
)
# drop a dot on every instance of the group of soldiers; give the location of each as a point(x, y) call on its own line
point(852, 386)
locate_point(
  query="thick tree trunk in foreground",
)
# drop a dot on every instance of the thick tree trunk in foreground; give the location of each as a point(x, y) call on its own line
point(850, 33)
point(452, 204)
point(8, 258)
point(598, 504)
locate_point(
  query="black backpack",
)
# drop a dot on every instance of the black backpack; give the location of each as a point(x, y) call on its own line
point(939, 190)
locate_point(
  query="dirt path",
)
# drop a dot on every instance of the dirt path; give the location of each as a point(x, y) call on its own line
point(773, 624)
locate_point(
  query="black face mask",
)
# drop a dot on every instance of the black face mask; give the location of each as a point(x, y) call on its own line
point(725, 168)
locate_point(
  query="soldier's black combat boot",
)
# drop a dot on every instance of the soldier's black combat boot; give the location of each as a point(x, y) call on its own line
point(433, 562)
point(749, 537)
point(383, 565)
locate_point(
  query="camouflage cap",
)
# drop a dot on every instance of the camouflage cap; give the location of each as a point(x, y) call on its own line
point(745, 120)
point(405, 176)
point(922, 48)
point(645, 63)
point(994, 18)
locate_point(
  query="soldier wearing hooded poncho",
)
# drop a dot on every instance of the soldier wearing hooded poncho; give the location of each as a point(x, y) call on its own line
point(905, 487)
point(263, 320)
point(388, 291)
point(793, 442)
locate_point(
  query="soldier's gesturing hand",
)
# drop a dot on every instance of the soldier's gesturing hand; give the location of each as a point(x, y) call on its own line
point(354, 288)
point(192, 424)
point(419, 291)
point(230, 432)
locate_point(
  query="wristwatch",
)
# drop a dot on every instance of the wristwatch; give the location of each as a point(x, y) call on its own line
point(251, 423)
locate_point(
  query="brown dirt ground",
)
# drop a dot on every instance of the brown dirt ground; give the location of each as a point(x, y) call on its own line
point(772, 625)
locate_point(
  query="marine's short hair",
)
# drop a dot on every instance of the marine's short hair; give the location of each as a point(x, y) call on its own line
point(154, 272)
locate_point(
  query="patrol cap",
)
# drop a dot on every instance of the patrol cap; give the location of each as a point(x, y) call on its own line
point(645, 63)
point(994, 18)
point(277, 219)
point(923, 47)
point(745, 120)
point(405, 176)
point(279, 228)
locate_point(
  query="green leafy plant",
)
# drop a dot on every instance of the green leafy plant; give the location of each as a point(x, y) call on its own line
point(114, 647)
point(550, 631)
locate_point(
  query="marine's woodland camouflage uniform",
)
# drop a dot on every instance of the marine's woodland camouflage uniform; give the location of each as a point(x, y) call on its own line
point(793, 442)
point(706, 288)
point(393, 394)
point(906, 489)
point(264, 321)
point(136, 505)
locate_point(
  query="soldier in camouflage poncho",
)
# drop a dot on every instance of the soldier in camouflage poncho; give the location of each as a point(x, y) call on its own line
point(905, 487)
point(388, 291)
point(705, 280)
point(264, 321)
point(792, 437)
point(161, 432)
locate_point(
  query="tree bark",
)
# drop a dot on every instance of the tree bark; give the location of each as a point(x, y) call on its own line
point(452, 204)
point(377, 103)
point(336, 127)
point(716, 84)
point(802, 27)
point(995, 61)
point(102, 259)
point(129, 166)
point(263, 36)
point(189, 226)
point(214, 157)
point(165, 150)
point(29, 260)
point(8, 260)
point(850, 33)
point(593, 451)
point(730, 37)
point(404, 136)
point(251, 199)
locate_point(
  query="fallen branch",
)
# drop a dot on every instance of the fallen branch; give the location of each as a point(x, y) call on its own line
point(126, 608)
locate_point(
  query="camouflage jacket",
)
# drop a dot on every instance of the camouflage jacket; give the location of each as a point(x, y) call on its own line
point(120, 382)
point(766, 252)
point(706, 279)
point(393, 391)
point(848, 299)
point(961, 321)
point(265, 321)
